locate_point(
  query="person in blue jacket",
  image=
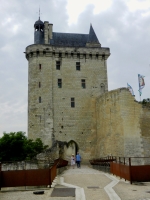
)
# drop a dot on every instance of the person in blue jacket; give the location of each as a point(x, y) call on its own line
point(78, 159)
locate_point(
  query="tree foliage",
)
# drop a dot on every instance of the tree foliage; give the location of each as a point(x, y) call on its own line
point(15, 146)
point(146, 102)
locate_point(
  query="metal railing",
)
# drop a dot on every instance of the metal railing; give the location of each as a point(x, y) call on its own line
point(14, 177)
point(131, 168)
point(102, 164)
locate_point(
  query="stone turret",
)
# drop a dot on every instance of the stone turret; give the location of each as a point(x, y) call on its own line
point(39, 32)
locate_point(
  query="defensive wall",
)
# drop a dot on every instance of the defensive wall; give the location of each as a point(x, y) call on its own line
point(123, 125)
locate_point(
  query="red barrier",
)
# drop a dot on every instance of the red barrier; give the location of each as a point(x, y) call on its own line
point(60, 162)
point(140, 173)
point(53, 172)
point(32, 177)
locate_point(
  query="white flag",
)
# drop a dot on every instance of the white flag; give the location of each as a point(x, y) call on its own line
point(141, 83)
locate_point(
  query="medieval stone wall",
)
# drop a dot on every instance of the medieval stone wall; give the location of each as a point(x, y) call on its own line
point(40, 115)
point(54, 119)
point(123, 127)
point(145, 130)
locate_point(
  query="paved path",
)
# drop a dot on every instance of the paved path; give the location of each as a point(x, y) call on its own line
point(90, 184)
point(103, 186)
point(92, 181)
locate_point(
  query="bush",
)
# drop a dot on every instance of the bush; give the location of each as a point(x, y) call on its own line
point(15, 146)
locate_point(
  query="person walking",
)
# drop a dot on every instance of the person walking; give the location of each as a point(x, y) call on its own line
point(78, 160)
point(72, 161)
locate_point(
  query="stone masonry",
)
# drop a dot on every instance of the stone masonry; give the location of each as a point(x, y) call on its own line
point(68, 98)
point(60, 76)
point(123, 125)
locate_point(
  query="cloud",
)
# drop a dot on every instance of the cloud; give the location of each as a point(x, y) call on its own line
point(123, 26)
point(134, 5)
point(17, 20)
point(74, 13)
point(126, 33)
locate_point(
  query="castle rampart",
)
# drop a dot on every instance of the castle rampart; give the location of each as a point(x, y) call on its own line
point(123, 127)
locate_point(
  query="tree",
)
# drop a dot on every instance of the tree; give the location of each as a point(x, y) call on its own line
point(15, 146)
point(146, 102)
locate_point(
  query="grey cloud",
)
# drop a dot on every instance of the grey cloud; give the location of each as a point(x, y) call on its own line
point(126, 33)
point(14, 67)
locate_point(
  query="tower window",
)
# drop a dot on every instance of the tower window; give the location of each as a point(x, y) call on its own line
point(40, 100)
point(83, 84)
point(39, 84)
point(72, 102)
point(37, 53)
point(78, 66)
point(103, 57)
point(58, 65)
point(40, 66)
point(102, 88)
point(59, 83)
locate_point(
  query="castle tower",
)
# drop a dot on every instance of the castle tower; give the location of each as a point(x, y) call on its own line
point(67, 71)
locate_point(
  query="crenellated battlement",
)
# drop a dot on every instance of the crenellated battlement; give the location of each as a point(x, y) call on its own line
point(67, 52)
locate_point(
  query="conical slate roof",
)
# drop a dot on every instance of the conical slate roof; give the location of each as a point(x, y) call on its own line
point(92, 36)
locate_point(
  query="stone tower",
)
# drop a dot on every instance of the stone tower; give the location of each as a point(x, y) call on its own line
point(66, 72)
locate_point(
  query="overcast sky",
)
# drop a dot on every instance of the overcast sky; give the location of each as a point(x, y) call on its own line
point(121, 25)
